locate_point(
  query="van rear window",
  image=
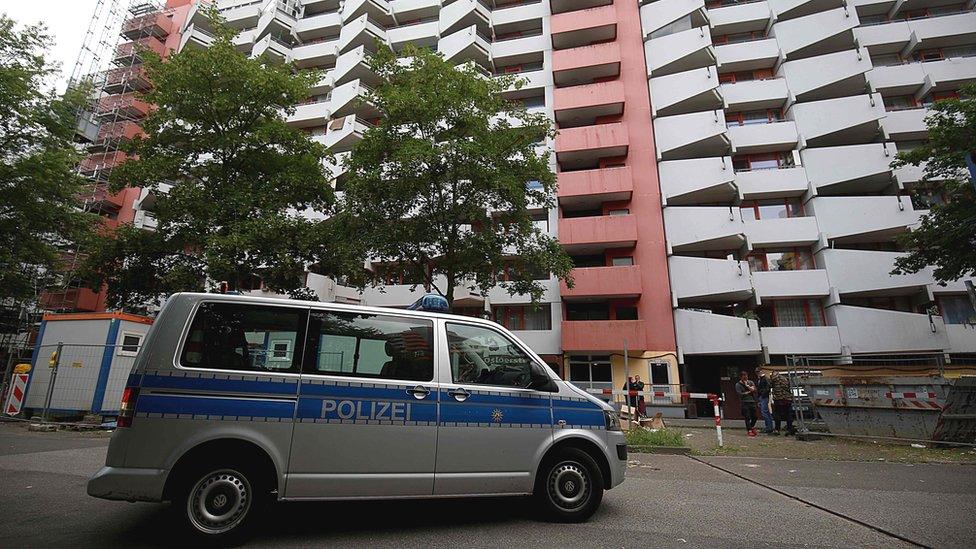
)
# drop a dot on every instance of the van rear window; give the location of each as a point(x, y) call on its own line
point(233, 336)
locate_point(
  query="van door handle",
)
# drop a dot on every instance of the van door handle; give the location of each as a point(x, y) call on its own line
point(419, 392)
point(459, 394)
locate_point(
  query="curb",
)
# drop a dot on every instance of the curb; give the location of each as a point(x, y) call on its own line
point(670, 450)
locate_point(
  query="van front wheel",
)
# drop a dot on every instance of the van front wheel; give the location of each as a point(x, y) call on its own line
point(569, 486)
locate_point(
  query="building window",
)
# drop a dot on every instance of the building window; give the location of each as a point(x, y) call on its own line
point(745, 76)
point(764, 161)
point(625, 312)
point(524, 317)
point(897, 303)
point(738, 38)
point(129, 343)
point(619, 211)
point(794, 313)
point(780, 208)
point(956, 309)
point(591, 371)
point(622, 261)
point(746, 118)
point(790, 259)
point(901, 103)
point(587, 311)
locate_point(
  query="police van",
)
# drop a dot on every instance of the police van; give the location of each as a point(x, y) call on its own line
point(234, 402)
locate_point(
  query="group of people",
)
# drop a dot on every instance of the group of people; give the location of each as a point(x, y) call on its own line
point(634, 387)
point(772, 395)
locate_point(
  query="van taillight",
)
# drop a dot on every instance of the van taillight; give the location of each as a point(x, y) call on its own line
point(128, 407)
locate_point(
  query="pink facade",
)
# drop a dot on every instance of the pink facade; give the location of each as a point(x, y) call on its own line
point(606, 156)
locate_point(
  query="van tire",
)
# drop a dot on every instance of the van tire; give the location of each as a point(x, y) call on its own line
point(219, 504)
point(569, 486)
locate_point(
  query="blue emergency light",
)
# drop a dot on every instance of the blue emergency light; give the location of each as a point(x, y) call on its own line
point(432, 303)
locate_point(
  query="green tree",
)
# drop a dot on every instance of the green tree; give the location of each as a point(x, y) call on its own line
point(946, 235)
point(439, 187)
point(39, 187)
point(231, 181)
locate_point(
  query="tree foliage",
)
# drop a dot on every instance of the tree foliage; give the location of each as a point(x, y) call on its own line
point(439, 186)
point(230, 180)
point(39, 188)
point(946, 235)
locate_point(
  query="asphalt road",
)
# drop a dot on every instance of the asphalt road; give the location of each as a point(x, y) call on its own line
point(667, 501)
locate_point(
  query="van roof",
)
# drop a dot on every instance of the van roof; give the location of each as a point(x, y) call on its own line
point(198, 296)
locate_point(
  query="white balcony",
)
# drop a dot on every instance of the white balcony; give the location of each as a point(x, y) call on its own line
point(777, 183)
point(851, 169)
point(865, 330)
point(420, 35)
point(811, 283)
point(195, 37)
point(905, 79)
point(704, 280)
point(703, 228)
point(697, 181)
point(866, 273)
point(753, 95)
point(781, 233)
point(377, 10)
point(762, 138)
point(704, 333)
point(309, 115)
point(737, 18)
point(862, 218)
point(827, 76)
point(685, 92)
point(790, 9)
point(948, 74)
point(462, 14)
point(962, 338)
point(349, 99)
point(516, 50)
point(691, 135)
point(316, 54)
point(361, 32)
point(748, 56)
point(655, 15)
point(681, 51)
point(272, 48)
point(907, 124)
point(244, 41)
point(344, 133)
point(241, 17)
point(942, 32)
point(274, 22)
point(817, 34)
point(466, 45)
point(884, 39)
point(809, 340)
point(353, 65)
point(841, 121)
point(319, 26)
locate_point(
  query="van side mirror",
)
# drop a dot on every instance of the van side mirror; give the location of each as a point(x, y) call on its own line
point(540, 380)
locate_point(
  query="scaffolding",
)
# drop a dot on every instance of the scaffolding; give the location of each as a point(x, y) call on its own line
point(110, 64)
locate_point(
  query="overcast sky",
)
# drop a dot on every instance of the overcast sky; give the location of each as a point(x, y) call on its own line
point(66, 21)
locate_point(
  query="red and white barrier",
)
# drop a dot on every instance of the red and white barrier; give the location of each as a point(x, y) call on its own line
point(15, 399)
point(664, 394)
point(913, 396)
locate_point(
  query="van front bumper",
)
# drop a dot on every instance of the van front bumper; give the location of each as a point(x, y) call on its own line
point(128, 484)
point(618, 462)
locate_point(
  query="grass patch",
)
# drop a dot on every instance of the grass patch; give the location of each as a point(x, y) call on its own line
point(660, 437)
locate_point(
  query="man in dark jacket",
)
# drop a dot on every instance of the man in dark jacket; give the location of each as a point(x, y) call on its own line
point(782, 402)
point(764, 389)
point(746, 390)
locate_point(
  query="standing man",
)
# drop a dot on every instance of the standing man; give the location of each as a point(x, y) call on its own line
point(641, 404)
point(782, 395)
point(764, 389)
point(746, 390)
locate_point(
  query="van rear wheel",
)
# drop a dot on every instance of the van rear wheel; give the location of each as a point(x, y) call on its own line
point(219, 504)
point(569, 486)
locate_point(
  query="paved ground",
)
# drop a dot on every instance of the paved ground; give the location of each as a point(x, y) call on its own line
point(666, 501)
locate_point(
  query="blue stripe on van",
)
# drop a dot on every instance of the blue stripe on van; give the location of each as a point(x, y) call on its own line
point(287, 388)
point(458, 412)
point(580, 417)
point(499, 400)
point(185, 404)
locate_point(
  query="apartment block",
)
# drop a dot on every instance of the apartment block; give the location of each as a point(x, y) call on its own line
point(776, 122)
point(114, 118)
point(725, 188)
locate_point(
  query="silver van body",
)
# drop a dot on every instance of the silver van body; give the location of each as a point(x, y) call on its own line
point(341, 436)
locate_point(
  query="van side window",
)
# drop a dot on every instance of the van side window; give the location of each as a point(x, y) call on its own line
point(370, 346)
point(233, 336)
point(484, 356)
